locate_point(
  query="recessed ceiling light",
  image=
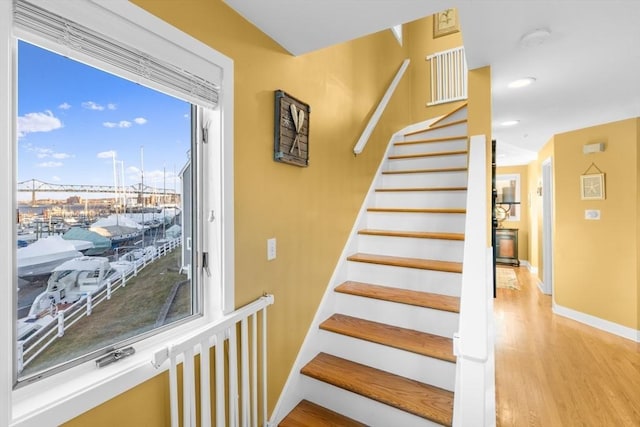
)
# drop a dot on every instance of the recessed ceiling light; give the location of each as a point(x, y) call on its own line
point(521, 82)
point(510, 123)
point(535, 37)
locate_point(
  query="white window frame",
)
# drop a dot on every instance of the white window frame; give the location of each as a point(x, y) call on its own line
point(61, 397)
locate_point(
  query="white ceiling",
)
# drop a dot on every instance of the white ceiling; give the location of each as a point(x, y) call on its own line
point(587, 71)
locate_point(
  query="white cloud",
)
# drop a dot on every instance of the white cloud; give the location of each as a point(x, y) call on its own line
point(111, 106)
point(140, 120)
point(60, 156)
point(120, 124)
point(90, 105)
point(55, 178)
point(49, 164)
point(64, 106)
point(41, 153)
point(38, 122)
point(107, 154)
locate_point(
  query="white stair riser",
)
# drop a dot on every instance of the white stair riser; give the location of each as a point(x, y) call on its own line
point(438, 249)
point(359, 408)
point(408, 278)
point(407, 221)
point(425, 369)
point(431, 147)
point(454, 130)
point(450, 161)
point(424, 179)
point(437, 322)
point(421, 199)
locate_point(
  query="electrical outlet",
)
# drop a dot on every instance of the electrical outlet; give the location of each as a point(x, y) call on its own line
point(271, 249)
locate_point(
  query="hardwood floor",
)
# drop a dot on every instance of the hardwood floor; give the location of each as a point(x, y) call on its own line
point(552, 371)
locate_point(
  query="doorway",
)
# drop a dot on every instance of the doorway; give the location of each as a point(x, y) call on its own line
point(547, 227)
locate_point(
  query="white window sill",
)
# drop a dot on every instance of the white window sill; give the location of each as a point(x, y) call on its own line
point(64, 396)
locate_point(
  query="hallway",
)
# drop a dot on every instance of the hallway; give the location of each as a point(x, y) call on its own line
point(552, 371)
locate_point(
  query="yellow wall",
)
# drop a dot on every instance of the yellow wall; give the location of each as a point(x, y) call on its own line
point(596, 261)
point(524, 207)
point(420, 42)
point(310, 211)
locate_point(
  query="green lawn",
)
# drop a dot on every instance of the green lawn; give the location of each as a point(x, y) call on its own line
point(132, 310)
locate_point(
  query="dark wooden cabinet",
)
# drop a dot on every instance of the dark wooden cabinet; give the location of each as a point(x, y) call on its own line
point(507, 246)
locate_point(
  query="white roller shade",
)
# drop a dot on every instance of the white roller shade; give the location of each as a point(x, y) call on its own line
point(81, 43)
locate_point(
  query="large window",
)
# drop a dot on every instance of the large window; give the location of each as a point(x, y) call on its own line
point(120, 221)
point(101, 195)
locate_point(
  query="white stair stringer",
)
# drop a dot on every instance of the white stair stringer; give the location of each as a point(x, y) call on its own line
point(411, 212)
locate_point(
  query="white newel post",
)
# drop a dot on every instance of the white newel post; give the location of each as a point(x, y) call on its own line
point(89, 305)
point(60, 323)
point(109, 289)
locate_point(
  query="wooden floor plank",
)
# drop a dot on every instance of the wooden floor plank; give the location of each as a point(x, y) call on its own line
point(554, 371)
point(308, 414)
point(412, 396)
point(392, 336)
point(414, 234)
point(423, 264)
point(401, 296)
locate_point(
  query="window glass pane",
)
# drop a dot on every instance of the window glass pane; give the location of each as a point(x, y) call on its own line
point(103, 172)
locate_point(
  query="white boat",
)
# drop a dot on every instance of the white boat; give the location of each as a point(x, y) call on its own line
point(43, 255)
point(72, 280)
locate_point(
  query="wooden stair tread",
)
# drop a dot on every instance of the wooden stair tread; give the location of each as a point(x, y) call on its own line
point(420, 263)
point(392, 336)
point(434, 170)
point(435, 126)
point(419, 210)
point(422, 189)
point(450, 113)
point(401, 296)
point(412, 396)
point(307, 414)
point(419, 155)
point(416, 234)
point(429, 141)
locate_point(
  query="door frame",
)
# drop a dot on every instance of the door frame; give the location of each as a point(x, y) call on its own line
point(547, 226)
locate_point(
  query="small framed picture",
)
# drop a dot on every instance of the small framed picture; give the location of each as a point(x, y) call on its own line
point(592, 186)
point(445, 22)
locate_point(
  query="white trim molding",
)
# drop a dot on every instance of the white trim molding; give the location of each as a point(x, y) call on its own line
point(598, 323)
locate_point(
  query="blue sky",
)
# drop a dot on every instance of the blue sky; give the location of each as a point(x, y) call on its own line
point(72, 117)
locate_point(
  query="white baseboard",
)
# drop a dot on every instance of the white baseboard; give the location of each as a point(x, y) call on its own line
point(596, 322)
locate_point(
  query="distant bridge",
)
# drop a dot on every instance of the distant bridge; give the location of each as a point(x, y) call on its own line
point(34, 186)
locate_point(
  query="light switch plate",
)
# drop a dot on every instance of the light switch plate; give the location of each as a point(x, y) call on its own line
point(592, 214)
point(271, 249)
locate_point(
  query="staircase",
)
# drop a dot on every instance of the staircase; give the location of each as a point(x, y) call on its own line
point(380, 351)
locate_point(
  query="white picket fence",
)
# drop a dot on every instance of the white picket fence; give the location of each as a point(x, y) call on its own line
point(31, 347)
point(239, 392)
